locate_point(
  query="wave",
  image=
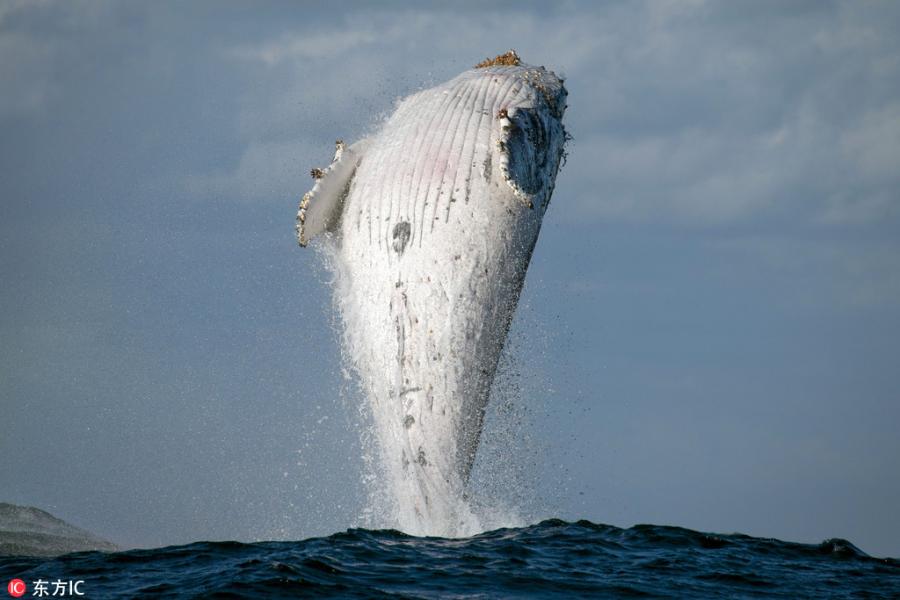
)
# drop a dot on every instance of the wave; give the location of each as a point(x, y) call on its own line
point(553, 558)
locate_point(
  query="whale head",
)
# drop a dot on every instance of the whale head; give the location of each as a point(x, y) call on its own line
point(526, 103)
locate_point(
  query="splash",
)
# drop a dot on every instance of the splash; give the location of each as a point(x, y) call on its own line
point(433, 221)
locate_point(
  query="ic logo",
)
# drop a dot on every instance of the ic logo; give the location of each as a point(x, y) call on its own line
point(16, 588)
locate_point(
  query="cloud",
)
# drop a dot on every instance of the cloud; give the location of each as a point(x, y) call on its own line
point(35, 37)
point(266, 172)
point(682, 113)
point(12, 8)
point(667, 178)
point(306, 46)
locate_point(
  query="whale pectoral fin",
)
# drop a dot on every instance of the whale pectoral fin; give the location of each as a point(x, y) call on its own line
point(524, 154)
point(321, 207)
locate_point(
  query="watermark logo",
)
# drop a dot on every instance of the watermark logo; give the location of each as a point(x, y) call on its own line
point(16, 588)
point(42, 588)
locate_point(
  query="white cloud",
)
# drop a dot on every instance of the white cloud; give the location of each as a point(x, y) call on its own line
point(305, 46)
point(669, 178)
point(689, 113)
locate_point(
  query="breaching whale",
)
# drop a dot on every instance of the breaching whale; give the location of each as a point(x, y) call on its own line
point(433, 221)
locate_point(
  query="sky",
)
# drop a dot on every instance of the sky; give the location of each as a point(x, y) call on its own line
point(709, 331)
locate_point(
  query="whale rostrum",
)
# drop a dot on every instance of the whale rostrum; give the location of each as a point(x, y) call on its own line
point(433, 221)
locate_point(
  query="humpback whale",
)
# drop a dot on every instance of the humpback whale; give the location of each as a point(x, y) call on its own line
point(433, 221)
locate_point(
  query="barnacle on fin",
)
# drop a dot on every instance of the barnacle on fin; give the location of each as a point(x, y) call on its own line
point(509, 59)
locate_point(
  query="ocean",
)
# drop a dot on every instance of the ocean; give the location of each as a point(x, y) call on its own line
point(552, 559)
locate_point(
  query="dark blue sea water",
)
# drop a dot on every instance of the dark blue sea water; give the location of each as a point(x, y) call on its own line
point(553, 559)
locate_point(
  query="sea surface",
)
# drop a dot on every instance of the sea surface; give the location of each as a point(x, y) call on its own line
point(553, 559)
